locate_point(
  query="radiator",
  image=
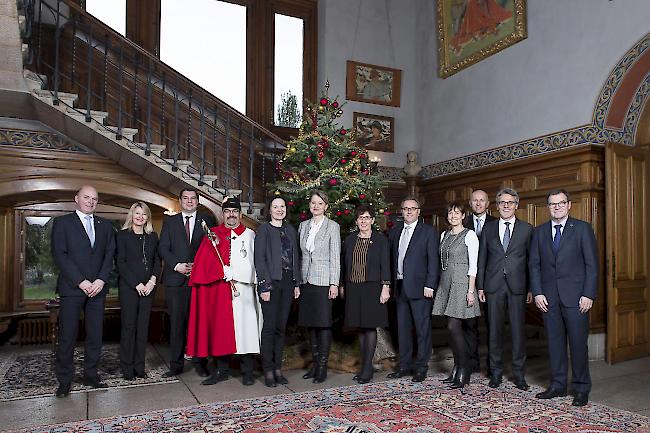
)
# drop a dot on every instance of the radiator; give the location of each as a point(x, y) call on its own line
point(41, 330)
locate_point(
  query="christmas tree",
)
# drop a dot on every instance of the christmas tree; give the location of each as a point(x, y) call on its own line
point(325, 156)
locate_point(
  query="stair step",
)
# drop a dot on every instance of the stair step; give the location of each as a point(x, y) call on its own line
point(156, 149)
point(180, 163)
point(67, 98)
point(97, 116)
point(207, 178)
point(230, 191)
point(33, 80)
point(111, 132)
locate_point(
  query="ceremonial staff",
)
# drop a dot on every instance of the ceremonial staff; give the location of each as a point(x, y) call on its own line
point(213, 241)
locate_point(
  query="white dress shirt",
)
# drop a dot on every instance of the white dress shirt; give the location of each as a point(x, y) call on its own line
point(192, 222)
point(404, 246)
point(476, 220)
point(502, 227)
point(562, 223)
point(314, 227)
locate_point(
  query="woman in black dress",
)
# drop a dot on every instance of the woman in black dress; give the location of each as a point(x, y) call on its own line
point(138, 265)
point(366, 276)
point(277, 263)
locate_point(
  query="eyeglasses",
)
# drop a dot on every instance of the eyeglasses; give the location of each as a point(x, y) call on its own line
point(559, 204)
point(507, 203)
point(231, 211)
point(364, 218)
point(410, 209)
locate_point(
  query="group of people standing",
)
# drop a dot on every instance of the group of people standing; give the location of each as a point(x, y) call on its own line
point(229, 290)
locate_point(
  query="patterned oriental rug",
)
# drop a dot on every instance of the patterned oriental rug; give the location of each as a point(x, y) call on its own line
point(30, 373)
point(393, 406)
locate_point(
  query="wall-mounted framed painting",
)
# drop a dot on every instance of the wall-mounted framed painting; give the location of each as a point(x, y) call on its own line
point(374, 132)
point(472, 30)
point(373, 84)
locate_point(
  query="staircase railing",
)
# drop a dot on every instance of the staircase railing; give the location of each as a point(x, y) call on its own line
point(80, 54)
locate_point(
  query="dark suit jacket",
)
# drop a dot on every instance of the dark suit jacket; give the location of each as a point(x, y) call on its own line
point(421, 262)
point(174, 248)
point(573, 272)
point(468, 222)
point(76, 259)
point(497, 268)
point(377, 259)
point(268, 252)
point(130, 265)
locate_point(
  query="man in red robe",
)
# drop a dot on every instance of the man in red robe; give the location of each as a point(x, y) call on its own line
point(225, 316)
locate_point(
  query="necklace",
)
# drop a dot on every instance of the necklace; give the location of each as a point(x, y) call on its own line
point(444, 253)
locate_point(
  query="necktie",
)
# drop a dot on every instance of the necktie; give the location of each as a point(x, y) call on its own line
point(403, 246)
point(478, 224)
point(187, 228)
point(90, 230)
point(557, 237)
point(506, 237)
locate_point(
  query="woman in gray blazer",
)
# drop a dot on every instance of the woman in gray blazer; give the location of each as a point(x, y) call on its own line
point(320, 243)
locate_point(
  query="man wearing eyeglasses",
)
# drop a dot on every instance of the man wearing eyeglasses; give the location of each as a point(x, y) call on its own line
point(502, 281)
point(564, 279)
point(416, 271)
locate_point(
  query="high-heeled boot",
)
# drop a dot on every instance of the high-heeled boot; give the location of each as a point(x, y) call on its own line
point(452, 375)
point(325, 340)
point(314, 353)
point(461, 379)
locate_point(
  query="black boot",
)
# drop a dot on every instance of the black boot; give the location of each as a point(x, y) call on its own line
point(314, 353)
point(461, 379)
point(452, 375)
point(324, 340)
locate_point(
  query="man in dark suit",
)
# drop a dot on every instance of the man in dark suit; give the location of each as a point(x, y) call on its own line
point(564, 279)
point(479, 203)
point(416, 271)
point(83, 246)
point(502, 279)
point(180, 238)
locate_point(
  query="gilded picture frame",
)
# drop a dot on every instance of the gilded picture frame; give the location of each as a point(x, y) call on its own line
point(373, 84)
point(472, 30)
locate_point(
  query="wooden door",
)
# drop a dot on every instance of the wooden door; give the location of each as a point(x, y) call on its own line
point(627, 180)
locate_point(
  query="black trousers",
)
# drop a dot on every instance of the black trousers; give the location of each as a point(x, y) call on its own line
point(413, 314)
point(135, 311)
point(178, 307)
point(473, 338)
point(247, 362)
point(515, 305)
point(276, 313)
point(69, 313)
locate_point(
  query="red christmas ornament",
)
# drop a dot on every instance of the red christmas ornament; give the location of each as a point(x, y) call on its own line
point(362, 156)
point(389, 224)
point(387, 212)
point(344, 131)
point(347, 211)
point(362, 196)
point(321, 154)
point(323, 101)
point(290, 203)
point(366, 172)
point(333, 181)
point(343, 161)
point(353, 153)
point(335, 104)
point(303, 216)
point(308, 160)
point(339, 213)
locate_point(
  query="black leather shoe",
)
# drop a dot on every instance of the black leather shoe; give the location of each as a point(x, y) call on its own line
point(580, 399)
point(419, 376)
point(141, 375)
point(362, 380)
point(216, 377)
point(63, 390)
point(128, 376)
point(398, 374)
point(201, 370)
point(494, 382)
point(280, 379)
point(171, 373)
point(522, 385)
point(551, 393)
point(95, 382)
point(248, 379)
point(311, 372)
point(271, 383)
point(461, 379)
point(355, 377)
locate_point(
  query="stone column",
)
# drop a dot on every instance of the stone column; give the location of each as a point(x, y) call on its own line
point(11, 55)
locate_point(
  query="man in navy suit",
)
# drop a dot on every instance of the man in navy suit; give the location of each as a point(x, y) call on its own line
point(564, 280)
point(416, 271)
point(83, 246)
point(180, 238)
